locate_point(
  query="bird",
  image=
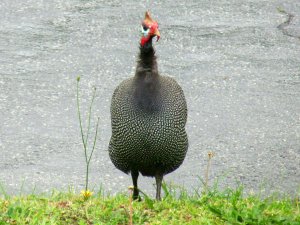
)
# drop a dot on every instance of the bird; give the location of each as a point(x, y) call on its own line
point(148, 118)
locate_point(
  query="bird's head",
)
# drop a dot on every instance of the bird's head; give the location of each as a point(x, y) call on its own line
point(149, 30)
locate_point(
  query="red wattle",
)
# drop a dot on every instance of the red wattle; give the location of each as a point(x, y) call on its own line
point(144, 40)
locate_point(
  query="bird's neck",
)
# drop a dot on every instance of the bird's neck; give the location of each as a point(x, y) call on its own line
point(147, 84)
point(147, 61)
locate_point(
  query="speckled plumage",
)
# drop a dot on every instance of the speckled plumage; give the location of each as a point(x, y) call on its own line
point(148, 114)
point(148, 139)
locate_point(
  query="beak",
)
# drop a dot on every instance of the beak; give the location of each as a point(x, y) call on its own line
point(157, 34)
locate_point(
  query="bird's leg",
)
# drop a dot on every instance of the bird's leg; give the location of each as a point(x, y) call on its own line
point(135, 175)
point(158, 178)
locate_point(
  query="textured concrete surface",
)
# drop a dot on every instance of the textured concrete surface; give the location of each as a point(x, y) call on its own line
point(237, 61)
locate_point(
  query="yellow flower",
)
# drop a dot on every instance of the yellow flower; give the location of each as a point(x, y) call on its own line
point(211, 154)
point(86, 194)
point(131, 188)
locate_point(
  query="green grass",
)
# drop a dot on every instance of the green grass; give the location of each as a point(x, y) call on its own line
point(216, 207)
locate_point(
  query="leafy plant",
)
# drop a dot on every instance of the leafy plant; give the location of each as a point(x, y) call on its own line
point(88, 154)
point(228, 206)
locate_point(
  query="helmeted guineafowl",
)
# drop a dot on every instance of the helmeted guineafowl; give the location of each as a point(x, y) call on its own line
point(148, 117)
